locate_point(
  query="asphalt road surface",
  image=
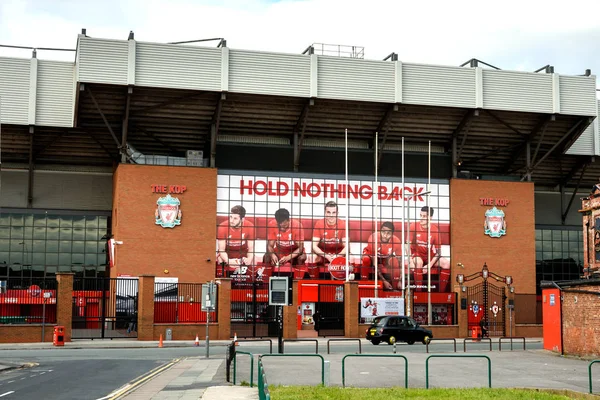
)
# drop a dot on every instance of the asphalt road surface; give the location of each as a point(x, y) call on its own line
point(82, 374)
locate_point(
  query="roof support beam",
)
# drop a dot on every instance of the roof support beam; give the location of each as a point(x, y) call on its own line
point(54, 140)
point(495, 150)
point(214, 129)
point(89, 90)
point(30, 171)
point(509, 167)
point(176, 100)
point(110, 155)
point(301, 126)
point(152, 136)
point(583, 161)
point(464, 123)
point(566, 212)
point(384, 124)
point(125, 126)
point(506, 124)
point(566, 135)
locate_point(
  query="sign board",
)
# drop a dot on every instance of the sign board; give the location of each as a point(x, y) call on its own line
point(371, 307)
point(209, 295)
point(279, 290)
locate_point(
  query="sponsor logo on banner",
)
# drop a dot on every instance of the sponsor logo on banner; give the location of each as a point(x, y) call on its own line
point(377, 307)
point(168, 214)
point(337, 268)
point(495, 225)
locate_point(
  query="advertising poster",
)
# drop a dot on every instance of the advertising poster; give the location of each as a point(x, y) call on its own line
point(378, 307)
point(304, 227)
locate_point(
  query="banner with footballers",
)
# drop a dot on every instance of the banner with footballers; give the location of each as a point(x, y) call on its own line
point(305, 227)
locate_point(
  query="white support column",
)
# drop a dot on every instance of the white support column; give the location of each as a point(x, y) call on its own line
point(77, 55)
point(33, 68)
point(478, 87)
point(555, 93)
point(131, 62)
point(314, 76)
point(596, 128)
point(398, 82)
point(224, 69)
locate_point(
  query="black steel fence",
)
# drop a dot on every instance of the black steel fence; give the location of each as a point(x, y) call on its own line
point(180, 303)
point(104, 308)
point(28, 301)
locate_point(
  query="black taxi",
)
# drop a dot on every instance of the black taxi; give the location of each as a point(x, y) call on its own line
point(392, 329)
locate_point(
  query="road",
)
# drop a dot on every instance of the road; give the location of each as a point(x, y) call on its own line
point(82, 374)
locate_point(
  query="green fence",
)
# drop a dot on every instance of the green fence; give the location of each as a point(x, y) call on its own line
point(375, 355)
point(263, 387)
point(590, 372)
point(457, 356)
point(251, 366)
point(300, 355)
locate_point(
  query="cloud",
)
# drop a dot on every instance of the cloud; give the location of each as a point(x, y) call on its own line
point(511, 34)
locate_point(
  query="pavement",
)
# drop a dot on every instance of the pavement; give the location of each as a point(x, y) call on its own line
point(193, 378)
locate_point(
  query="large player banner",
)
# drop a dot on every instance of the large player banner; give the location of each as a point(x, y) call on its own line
point(305, 226)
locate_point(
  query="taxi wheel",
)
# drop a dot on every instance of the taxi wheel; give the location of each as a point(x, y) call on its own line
point(375, 342)
point(410, 341)
point(426, 339)
point(392, 340)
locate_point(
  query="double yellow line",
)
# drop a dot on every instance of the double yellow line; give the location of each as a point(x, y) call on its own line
point(134, 384)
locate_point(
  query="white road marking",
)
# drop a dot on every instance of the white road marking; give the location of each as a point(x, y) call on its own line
point(6, 394)
point(10, 382)
point(364, 373)
point(23, 378)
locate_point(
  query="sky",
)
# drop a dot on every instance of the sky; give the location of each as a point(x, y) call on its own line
point(519, 35)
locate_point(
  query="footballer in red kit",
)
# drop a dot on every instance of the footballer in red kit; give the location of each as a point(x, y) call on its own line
point(421, 258)
point(236, 241)
point(389, 248)
point(285, 240)
point(329, 236)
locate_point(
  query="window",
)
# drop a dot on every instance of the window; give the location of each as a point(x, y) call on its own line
point(37, 243)
point(559, 254)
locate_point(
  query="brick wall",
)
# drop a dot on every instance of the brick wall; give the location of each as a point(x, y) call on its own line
point(148, 249)
point(512, 254)
point(581, 321)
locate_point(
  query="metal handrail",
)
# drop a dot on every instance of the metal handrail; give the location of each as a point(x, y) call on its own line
point(345, 340)
point(258, 340)
point(375, 355)
point(457, 356)
point(511, 341)
point(475, 340)
point(300, 355)
point(300, 340)
point(590, 372)
point(430, 340)
point(251, 365)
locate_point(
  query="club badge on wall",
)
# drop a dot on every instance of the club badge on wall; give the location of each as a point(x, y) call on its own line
point(495, 225)
point(168, 214)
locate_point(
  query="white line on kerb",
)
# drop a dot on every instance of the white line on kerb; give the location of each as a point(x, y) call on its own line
point(6, 394)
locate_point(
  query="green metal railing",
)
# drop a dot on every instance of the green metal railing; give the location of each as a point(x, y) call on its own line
point(375, 355)
point(457, 356)
point(590, 372)
point(251, 366)
point(263, 386)
point(300, 355)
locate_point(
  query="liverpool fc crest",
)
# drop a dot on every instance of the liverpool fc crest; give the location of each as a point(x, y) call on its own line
point(495, 225)
point(168, 214)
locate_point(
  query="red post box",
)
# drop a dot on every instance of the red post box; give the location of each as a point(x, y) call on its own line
point(59, 336)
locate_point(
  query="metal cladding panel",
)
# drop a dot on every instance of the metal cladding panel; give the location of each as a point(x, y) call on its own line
point(438, 85)
point(356, 79)
point(54, 189)
point(577, 95)
point(177, 66)
point(55, 94)
point(585, 144)
point(14, 90)
point(103, 61)
point(269, 73)
point(517, 91)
